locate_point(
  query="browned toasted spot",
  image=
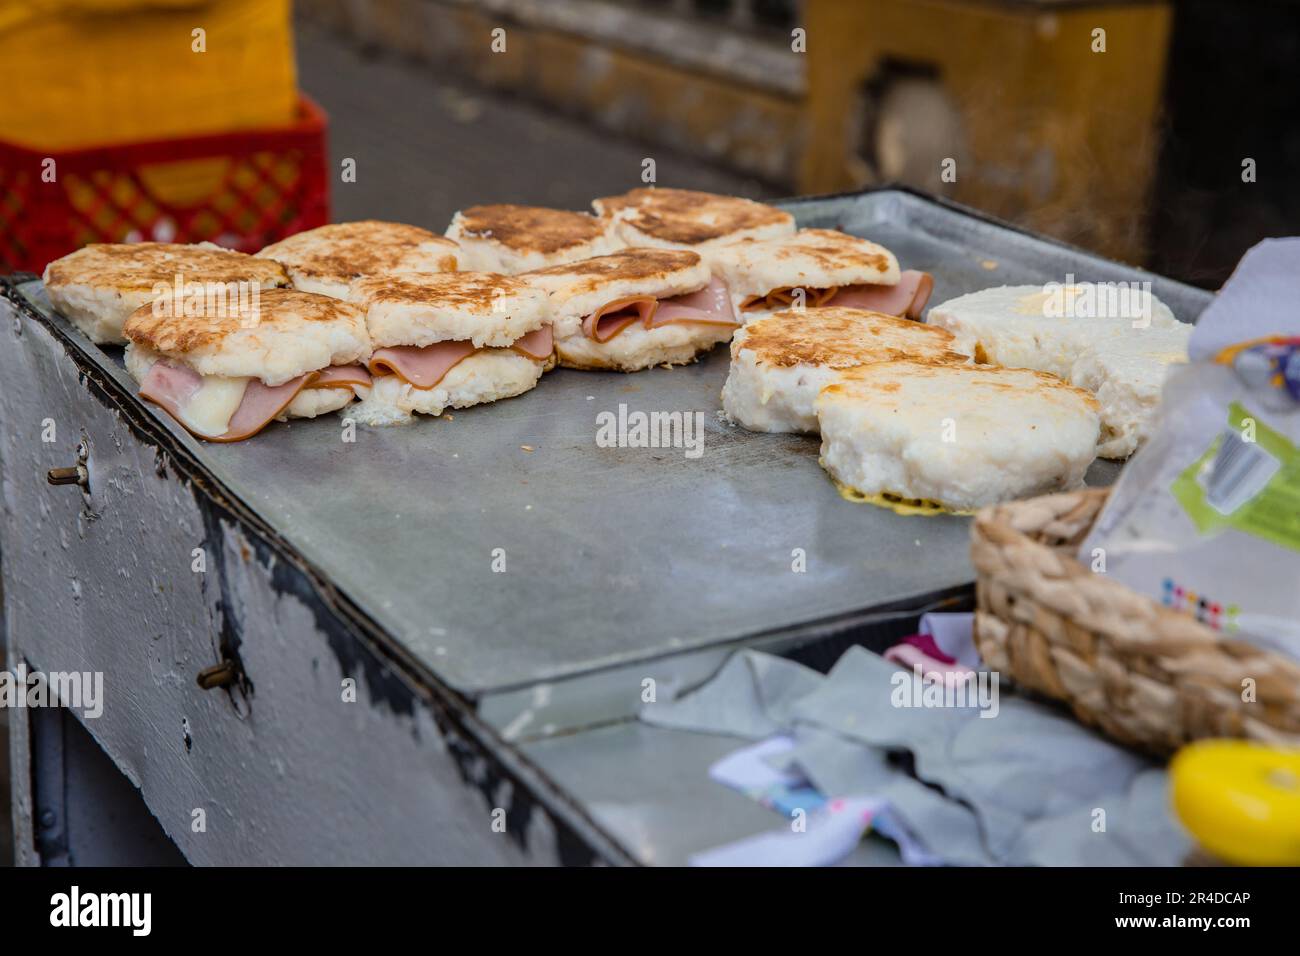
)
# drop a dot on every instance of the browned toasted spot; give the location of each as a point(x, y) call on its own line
point(841, 338)
point(139, 266)
point(468, 291)
point(531, 228)
point(688, 217)
point(279, 309)
point(830, 250)
point(588, 275)
point(345, 250)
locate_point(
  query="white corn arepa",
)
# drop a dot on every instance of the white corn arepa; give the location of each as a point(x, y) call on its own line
point(283, 334)
point(959, 436)
point(1016, 326)
point(329, 258)
point(579, 289)
point(510, 239)
point(99, 285)
point(811, 259)
point(1117, 343)
point(782, 360)
point(423, 308)
point(225, 374)
point(685, 218)
point(1127, 374)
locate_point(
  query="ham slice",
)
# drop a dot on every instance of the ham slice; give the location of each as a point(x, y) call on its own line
point(709, 306)
point(536, 345)
point(612, 318)
point(783, 298)
point(906, 300)
point(261, 403)
point(173, 387)
point(425, 367)
point(339, 376)
point(420, 367)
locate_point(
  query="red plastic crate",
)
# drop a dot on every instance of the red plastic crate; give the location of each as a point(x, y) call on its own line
point(240, 190)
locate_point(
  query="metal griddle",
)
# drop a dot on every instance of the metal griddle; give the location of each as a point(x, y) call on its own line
point(616, 555)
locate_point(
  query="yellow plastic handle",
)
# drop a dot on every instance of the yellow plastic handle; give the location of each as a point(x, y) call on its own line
point(1240, 800)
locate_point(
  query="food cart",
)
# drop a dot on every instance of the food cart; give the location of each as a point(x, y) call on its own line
point(431, 645)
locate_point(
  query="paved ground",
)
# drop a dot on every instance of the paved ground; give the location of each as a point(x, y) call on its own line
point(425, 145)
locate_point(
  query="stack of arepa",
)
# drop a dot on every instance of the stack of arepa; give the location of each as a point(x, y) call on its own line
point(904, 416)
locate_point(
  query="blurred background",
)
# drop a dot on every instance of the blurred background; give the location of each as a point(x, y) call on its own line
point(1160, 133)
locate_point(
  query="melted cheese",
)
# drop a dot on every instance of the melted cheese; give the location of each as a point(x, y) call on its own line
point(896, 503)
point(210, 410)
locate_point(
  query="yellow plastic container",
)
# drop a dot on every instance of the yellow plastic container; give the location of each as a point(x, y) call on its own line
point(1240, 800)
point(104, 72)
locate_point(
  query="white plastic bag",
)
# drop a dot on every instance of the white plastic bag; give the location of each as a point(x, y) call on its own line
point(1206, 516)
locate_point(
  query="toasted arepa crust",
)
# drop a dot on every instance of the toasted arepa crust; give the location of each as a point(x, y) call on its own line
point(285, 334)
point(479, 307)
point(964, 436)
point(329, 258)
point(840, 338)
point(99, 285)
point(512, 239)
point(684, 217)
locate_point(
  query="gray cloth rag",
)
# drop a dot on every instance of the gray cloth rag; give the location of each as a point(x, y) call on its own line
point(1028, 786)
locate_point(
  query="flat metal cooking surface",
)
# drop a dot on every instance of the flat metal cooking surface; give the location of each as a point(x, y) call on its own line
point(614, 555)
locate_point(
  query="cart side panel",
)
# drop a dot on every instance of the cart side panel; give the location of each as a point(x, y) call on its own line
point(321, 752)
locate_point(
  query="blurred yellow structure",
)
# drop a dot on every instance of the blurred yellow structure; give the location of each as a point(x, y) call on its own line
point(100, 72)
point(1049, 109)
point(1240, 799)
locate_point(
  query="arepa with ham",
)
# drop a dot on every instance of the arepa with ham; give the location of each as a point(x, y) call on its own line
point(225, 376)
point(819, 267)
point(450, 340)
point(635, 309)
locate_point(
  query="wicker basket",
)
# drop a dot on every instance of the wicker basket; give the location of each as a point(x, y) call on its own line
point(1142, 673)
